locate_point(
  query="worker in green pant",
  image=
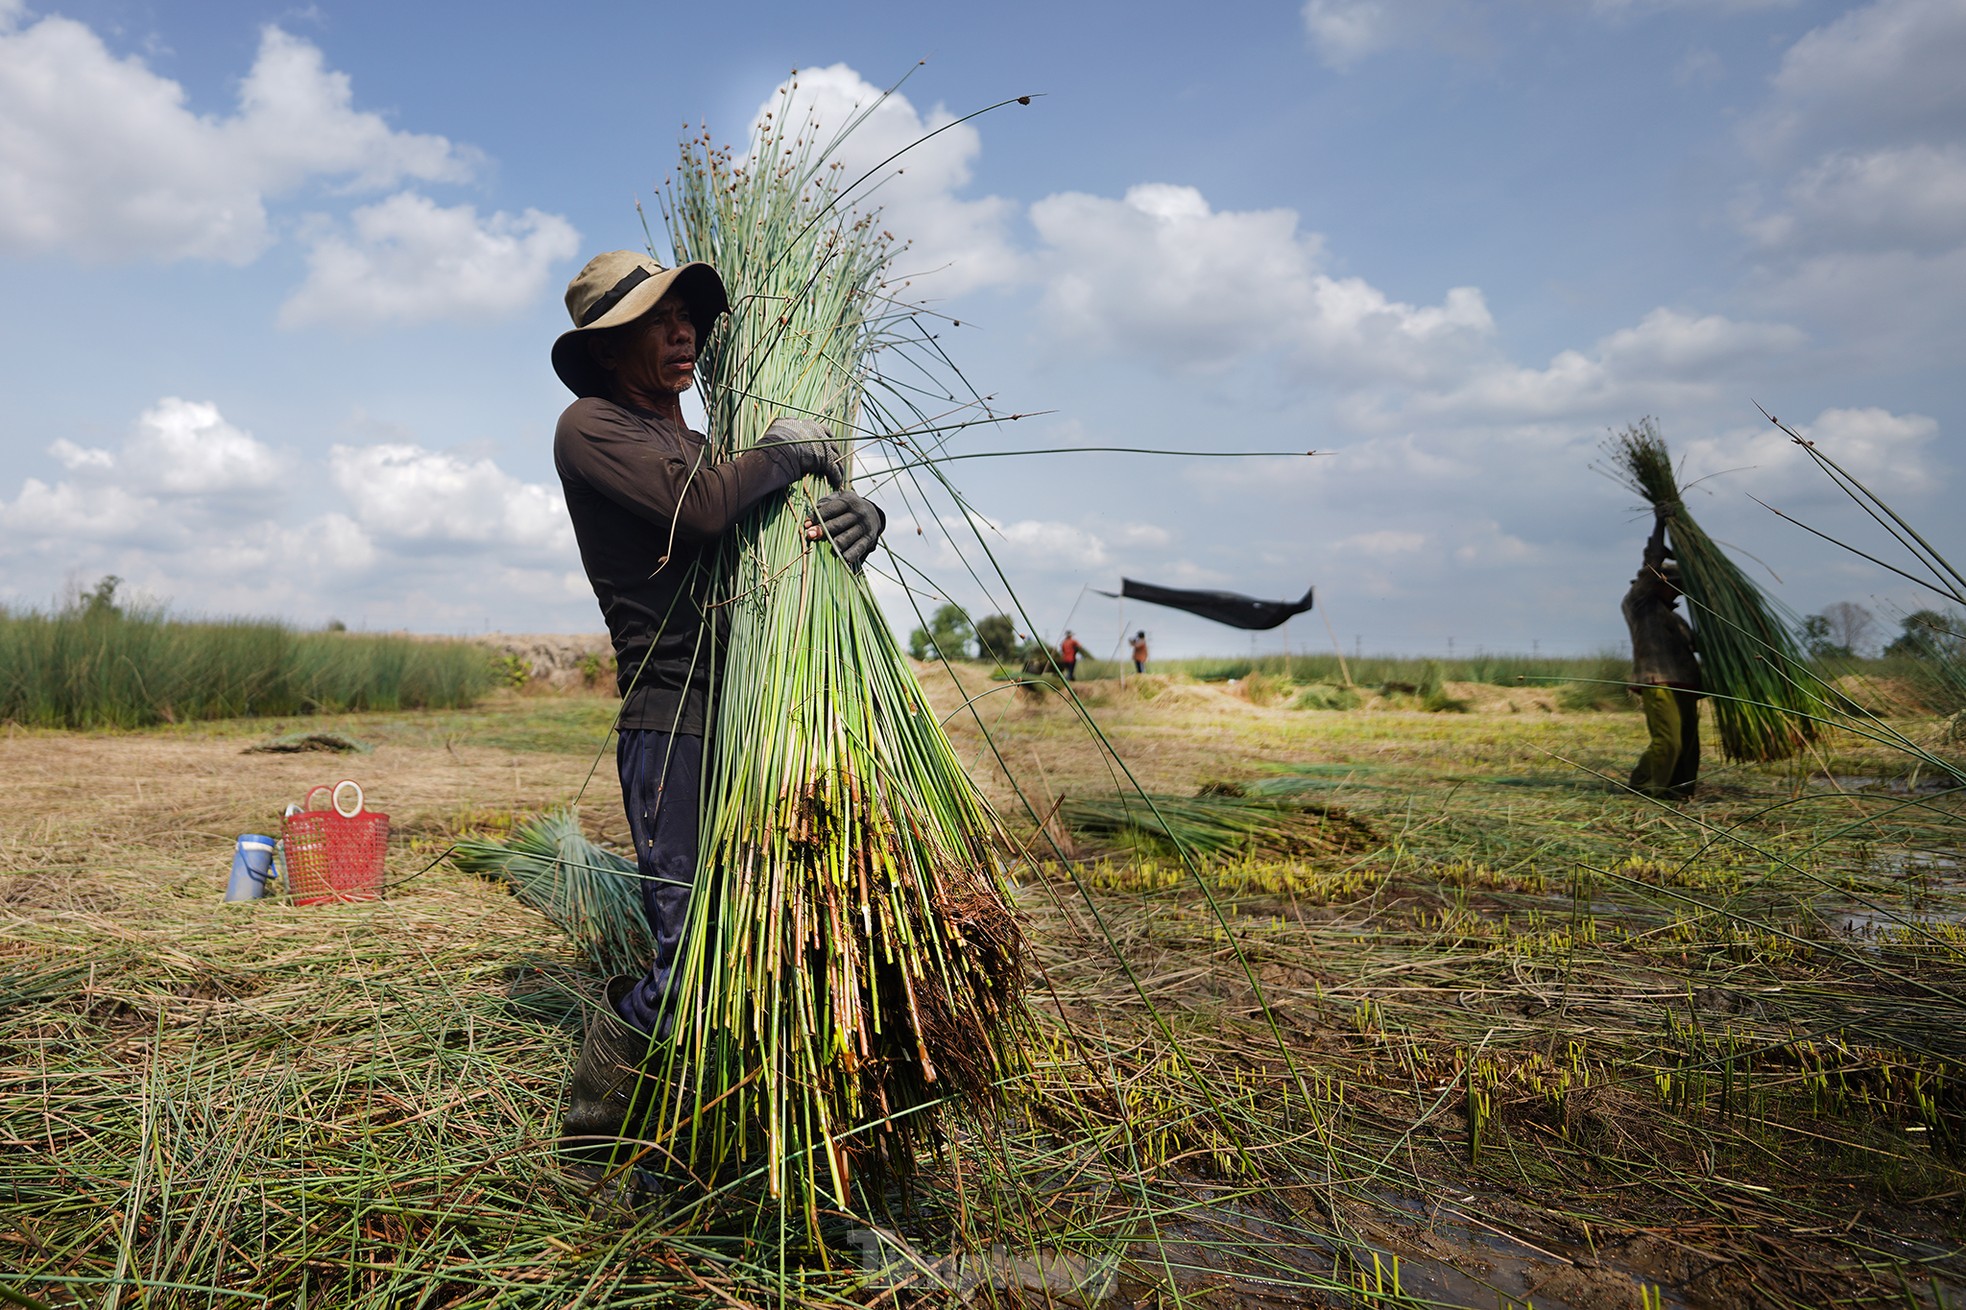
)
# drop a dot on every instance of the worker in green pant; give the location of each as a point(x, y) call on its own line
point(1667, 673)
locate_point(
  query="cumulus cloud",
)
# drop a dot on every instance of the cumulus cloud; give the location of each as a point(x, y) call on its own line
point(103, 158)
point(1342, 33)
point(1667, 358)
point(182, 473)
point(1044, 544)
point(177, 448)
point(955, 244)
point(1882, 71)
point(402, 493)
point(1910, 198)
point(186, 448)
point(409, 260)
point(1859, 218)
point(1163, 274)
point(1890, 453)
point(46, 518)
point(1486, 543)
point(193, 509)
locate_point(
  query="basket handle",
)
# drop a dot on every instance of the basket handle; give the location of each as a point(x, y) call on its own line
point(347, 798)
point(318, 798)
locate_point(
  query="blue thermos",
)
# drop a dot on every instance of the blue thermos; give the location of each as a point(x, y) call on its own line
point(252, 866)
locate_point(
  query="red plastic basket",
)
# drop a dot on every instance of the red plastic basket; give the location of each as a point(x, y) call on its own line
point(334, 857)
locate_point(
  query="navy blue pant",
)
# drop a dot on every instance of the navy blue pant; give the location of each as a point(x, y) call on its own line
point(661, 781)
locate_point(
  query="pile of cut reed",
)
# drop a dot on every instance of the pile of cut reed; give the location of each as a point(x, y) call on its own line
point(852, 965)
point(1765, 700)
point(1217, 825)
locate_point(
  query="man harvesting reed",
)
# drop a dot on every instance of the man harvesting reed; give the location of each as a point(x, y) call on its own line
point(1667, 673)
point(649, 508)
point(1766, 703)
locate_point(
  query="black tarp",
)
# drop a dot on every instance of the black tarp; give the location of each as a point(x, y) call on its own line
point(1228, 607)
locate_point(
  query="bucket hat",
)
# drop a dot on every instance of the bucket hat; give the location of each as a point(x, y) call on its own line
point(617, 288)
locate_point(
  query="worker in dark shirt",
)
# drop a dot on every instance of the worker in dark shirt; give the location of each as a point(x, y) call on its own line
point(1667, 673)
point(649, 508)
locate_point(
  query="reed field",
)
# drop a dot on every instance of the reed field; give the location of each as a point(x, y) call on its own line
point(74, 668)
point(1491, 1032)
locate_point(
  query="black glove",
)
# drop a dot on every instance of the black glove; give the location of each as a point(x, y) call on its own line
point(852, 523)
point(800, 446)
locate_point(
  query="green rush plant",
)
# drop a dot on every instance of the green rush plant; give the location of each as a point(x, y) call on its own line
point(1766, 701)
point(852, 968)
point(590, 893)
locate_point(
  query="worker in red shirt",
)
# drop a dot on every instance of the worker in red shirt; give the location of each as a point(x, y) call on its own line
point(1069, 651)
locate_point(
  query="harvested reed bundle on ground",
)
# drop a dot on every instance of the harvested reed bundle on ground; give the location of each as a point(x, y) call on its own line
point(1218, 825)
point(851, 962)
point(1764, 697)
point(591, 894)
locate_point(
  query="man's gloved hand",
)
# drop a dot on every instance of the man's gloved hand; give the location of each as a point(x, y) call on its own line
point(803, 447)
point(852, 523)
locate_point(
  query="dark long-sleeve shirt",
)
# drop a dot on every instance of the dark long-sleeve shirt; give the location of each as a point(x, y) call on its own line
point(648, 507)
point(1662, 639)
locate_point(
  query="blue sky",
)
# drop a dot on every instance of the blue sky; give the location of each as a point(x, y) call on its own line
point(277, 286)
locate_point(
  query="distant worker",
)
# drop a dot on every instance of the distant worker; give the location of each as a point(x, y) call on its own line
point(1069, 651)
point(1140, 652)
point(1667, 673)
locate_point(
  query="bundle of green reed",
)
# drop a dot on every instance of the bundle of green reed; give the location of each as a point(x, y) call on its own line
point(590, 893)
point(1765, 700)
point(852, 967)
point(1217, 825)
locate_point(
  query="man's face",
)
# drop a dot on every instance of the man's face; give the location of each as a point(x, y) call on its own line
point(656, 353)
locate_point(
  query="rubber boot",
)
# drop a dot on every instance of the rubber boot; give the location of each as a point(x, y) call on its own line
point(604, 1111)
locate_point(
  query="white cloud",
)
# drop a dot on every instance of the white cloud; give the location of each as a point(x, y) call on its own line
point(1345, 31)
point(186, 448)
point(1381, 543)
point(1137, 535)
point(956, 244)
point(1668, 358)
point(103, 158)
point(182, 448)
point(1487, 544)
point(410, 261)
point(1038, 543)
point(1859, 218)
point(403, 493)
point(46, 518)
point(296, 119)
point(82, 458)
point(1701, 66)
point(1911, 198)
point(1889, 453)
point(391, 533)
point(1163, 274)
point(1890, 68)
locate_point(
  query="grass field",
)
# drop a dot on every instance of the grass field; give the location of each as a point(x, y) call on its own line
point(111, 668)
point(1517, 1037)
